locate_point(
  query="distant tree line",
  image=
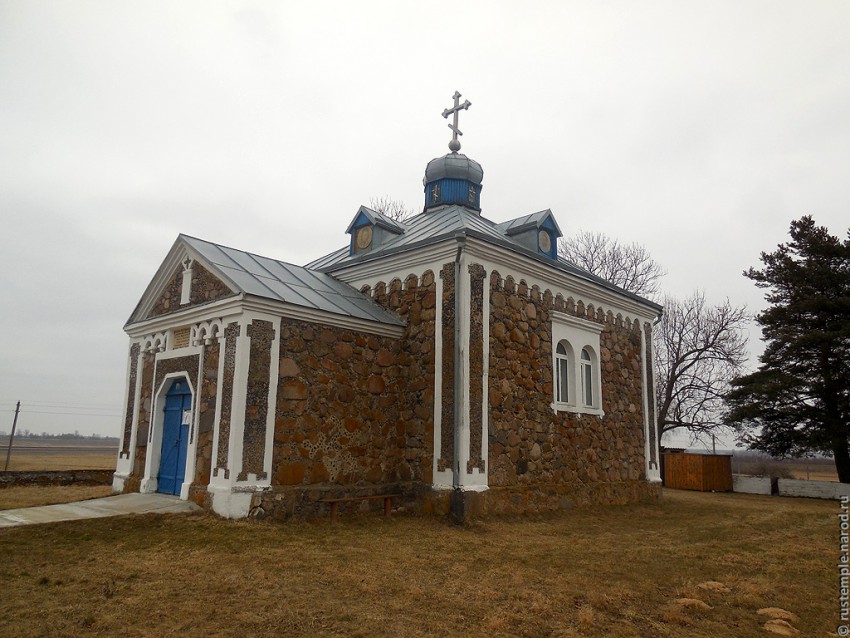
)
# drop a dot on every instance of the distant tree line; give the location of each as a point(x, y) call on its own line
point(26, 434)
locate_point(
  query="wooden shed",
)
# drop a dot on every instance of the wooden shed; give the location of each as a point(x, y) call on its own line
point(701, 472)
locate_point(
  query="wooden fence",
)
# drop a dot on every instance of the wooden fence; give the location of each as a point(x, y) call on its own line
point(702, 472)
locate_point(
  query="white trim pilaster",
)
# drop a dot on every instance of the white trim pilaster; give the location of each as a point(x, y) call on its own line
point(653, 474)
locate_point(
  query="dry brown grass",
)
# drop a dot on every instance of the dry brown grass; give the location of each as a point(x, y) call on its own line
point(600, 572)
point(815, 475)
point(34, 495)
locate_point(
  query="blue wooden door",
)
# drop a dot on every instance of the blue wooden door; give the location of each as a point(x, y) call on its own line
point(175, 438)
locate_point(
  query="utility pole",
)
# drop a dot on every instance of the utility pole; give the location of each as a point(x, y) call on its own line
point(12, 436)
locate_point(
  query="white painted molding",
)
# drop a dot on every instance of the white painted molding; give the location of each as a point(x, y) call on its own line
point(180, 251)
point(577, 322)
point(204, 332)
point(654, 474)
point(186, 284)
point(462, 316)
point(507, 262)
point(222, 342)
point(154, 447)
point(229, 503)
point(440, 477)
point(580, 334)
point(124, 467)
point(409, 261)
point(192, 444)
point(240, 392)
point(127, 391)
point(223, 309)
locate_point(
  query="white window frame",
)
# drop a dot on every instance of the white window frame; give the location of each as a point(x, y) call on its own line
point(578, 336)
point(564, 363)
point(588, 374)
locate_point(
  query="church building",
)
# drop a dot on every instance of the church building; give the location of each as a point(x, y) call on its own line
point(457, 363)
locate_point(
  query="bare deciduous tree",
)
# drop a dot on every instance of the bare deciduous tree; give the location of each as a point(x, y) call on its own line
point(628, 266)
point(699, 349)
point(392, 208)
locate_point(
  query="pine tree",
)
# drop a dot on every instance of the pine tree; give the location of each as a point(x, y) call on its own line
point(798, 401)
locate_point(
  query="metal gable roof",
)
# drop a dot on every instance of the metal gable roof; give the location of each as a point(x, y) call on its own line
point(288, 283)
point(534, 220)
point(438, 225)
point(425, 227)
point(378, 219)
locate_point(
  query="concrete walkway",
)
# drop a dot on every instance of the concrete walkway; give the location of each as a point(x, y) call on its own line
point(97, 508)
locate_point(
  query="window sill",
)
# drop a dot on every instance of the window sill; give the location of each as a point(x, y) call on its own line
point(567, 407)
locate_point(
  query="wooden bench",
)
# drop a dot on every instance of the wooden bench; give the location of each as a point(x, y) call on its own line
point(334, 502)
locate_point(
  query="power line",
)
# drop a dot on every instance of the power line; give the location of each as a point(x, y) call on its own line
point(72, 408)
point(113, 415)
point(58, 404)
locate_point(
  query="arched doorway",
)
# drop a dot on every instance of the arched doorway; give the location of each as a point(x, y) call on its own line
point(175, 437)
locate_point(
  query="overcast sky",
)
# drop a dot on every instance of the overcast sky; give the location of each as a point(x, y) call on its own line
point(698, 129)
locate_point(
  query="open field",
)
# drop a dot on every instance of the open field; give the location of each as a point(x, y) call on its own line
point(59, 454)
point(613, 571)
point(66, 461)
point(814, 469)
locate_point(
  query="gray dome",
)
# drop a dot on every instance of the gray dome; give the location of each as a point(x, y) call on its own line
point(454, 166)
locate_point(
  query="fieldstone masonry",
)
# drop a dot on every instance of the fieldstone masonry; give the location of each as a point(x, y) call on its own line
point(145, 407)
point(205, 404)
point(206, 287)
point(541, 459)
point(131, 399)
point(231, 332)
point(262, 335)
point(355, 411)
point(477, 274)
point(447, 418)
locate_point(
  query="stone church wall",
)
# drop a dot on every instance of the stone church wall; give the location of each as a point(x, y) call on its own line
point(205, 287)
point(205, 403)
point(354, 414)
point(145, 407)
point(541, 460)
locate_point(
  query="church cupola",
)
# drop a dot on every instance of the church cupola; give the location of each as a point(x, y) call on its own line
point(453, 178)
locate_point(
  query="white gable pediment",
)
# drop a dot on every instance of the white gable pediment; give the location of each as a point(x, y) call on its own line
point(171, 288)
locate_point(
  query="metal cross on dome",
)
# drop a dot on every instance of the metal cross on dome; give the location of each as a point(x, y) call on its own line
point(454, 145)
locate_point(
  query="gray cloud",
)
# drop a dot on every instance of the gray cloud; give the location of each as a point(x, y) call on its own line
point(697, 129)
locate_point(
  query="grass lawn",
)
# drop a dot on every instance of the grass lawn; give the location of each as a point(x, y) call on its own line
point(615, 571)
point(33, 495)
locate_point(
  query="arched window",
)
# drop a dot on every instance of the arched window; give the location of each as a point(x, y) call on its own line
point(587, 378)
point(562, 373)
point(576, 378)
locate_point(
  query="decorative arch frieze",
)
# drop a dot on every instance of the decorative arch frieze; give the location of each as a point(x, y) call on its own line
point(205, 332)
point(589, 310)
point(153, 343)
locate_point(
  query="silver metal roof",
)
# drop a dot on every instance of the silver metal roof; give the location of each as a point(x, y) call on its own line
point(379, 219)
point(280, 281)
point(426, 227)
point(453, 165)
point(516, 226)
point(444, 223)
